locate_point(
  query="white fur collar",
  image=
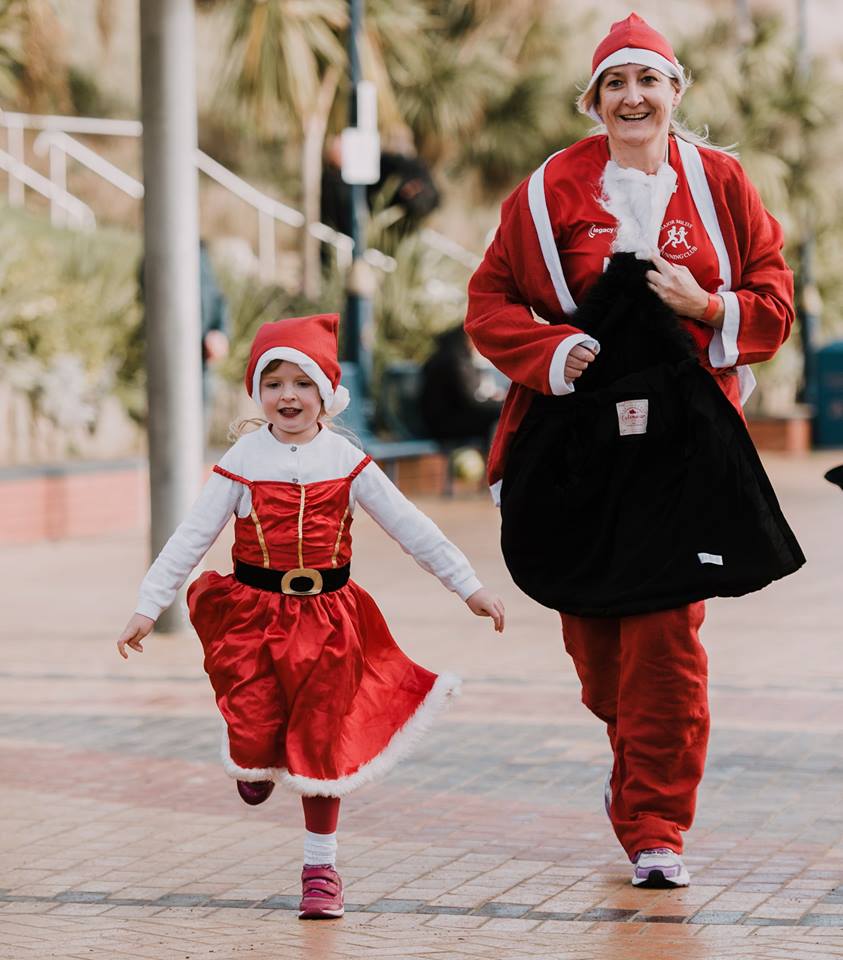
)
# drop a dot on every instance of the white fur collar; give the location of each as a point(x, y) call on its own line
point(638, 201)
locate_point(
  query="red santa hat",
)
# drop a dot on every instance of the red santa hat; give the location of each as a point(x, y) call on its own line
point(310, 342)
point(633, 41)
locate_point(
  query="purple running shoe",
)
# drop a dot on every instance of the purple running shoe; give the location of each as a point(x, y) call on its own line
point(254, 793)
point(321, 893)
point(660, 867)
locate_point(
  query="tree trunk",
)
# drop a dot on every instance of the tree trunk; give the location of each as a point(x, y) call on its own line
point(315, 126)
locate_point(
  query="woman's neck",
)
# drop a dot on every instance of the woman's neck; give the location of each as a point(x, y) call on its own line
point(647, 157)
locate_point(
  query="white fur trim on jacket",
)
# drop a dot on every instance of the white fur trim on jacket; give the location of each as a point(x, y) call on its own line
point(403, 741)
point(638, 201)
point(335, 401)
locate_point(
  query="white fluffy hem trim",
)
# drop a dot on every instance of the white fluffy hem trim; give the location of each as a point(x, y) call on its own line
point(447, 685)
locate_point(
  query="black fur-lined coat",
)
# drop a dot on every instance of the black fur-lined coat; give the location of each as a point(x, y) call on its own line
point(642, 490)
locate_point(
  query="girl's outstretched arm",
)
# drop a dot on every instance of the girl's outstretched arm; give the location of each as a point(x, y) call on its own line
point(133, 633)
point(484, 603)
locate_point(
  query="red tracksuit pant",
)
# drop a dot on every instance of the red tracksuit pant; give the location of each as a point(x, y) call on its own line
point(646, 677)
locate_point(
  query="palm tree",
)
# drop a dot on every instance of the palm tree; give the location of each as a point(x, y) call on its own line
point(33, 72)
point(287, 60)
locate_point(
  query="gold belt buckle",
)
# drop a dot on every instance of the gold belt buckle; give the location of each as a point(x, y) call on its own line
point(314, 576)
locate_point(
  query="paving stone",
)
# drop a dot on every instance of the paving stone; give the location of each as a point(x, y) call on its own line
point(490, 840)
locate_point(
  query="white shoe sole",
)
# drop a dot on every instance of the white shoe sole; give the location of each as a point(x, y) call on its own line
point(656, 880)
point(321, 915)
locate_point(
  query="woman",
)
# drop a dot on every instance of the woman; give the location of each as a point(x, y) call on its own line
point(717, 262)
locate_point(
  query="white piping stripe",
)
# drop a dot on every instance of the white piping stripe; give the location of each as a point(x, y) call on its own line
point(704, 202)
point(723, 349)
point(541, 221)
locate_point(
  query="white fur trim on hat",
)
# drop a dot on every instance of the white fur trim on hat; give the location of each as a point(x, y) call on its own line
point(335, 401)
point(647, 58)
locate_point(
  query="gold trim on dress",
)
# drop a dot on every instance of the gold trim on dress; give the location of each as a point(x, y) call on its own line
point(301, 527)
point(339, 538)
point(261, 541)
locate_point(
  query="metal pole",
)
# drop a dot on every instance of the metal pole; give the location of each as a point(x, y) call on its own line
point(359, 334)
point(171, 275)
point(808, 300)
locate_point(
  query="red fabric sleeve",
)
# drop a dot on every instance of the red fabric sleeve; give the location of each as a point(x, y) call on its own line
point(499, 319)
point(765, 291)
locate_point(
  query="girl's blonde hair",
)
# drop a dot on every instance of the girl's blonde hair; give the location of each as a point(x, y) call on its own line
point(589, 98)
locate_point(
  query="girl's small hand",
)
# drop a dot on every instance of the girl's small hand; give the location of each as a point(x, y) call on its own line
point(135, 630)
point(483, 603)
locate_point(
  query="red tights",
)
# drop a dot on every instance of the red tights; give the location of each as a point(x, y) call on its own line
point(645, 677)
point(321, 813)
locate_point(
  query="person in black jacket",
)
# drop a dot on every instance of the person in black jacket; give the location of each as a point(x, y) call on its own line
point(454, 405)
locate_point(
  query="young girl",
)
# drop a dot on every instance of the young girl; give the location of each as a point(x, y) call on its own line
point(314, 691)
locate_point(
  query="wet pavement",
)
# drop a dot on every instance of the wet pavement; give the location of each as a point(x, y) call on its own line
point(123, 838)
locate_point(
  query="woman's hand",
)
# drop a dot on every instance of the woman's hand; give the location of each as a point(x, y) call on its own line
point(675, 285)
point(135, 630)
point(578, 360)
point(484, 603)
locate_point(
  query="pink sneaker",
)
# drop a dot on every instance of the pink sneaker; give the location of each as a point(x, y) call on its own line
point(321, 893)
point(254, 793)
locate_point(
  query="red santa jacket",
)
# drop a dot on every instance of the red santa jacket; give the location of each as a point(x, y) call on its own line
point(554, 240)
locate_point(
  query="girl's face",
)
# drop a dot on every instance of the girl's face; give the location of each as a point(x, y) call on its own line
point(636, 104)
point(291, 403)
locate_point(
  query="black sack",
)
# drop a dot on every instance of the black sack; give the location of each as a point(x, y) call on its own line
point(641, 491)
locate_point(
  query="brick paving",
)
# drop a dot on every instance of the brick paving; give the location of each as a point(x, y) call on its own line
point(122, 838)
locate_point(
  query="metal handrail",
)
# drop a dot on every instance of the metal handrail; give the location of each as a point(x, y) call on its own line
point(49, 140)
point(438, 241)
point(56, 129)
point(80, 211)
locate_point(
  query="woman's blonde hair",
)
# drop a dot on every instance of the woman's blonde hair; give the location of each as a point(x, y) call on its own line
point(589, 98)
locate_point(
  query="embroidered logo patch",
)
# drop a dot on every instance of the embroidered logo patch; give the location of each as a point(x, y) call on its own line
point(714, 558)
point(632, 416)
point(675, 242)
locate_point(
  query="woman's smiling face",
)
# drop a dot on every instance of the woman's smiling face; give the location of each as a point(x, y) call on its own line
point(636, 104)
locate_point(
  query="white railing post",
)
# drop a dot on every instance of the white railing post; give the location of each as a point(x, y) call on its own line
point(55, 137)
point(58, 178)
point(266, 245)
point(15, 149)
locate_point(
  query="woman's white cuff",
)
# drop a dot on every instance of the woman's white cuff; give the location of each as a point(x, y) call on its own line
point(723, 349)
point(558, 384)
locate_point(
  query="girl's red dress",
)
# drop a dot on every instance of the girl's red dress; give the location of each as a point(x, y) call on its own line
point(314, 690)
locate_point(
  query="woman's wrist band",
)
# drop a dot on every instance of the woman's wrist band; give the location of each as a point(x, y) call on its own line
point(711, 309)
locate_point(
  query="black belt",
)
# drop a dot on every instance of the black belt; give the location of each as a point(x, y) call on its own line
point(301, 582)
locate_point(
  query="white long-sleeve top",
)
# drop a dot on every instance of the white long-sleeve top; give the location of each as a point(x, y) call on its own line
point(329, 456)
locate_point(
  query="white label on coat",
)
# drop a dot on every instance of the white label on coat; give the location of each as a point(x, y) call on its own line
point(632, 416)
point(715, 558)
